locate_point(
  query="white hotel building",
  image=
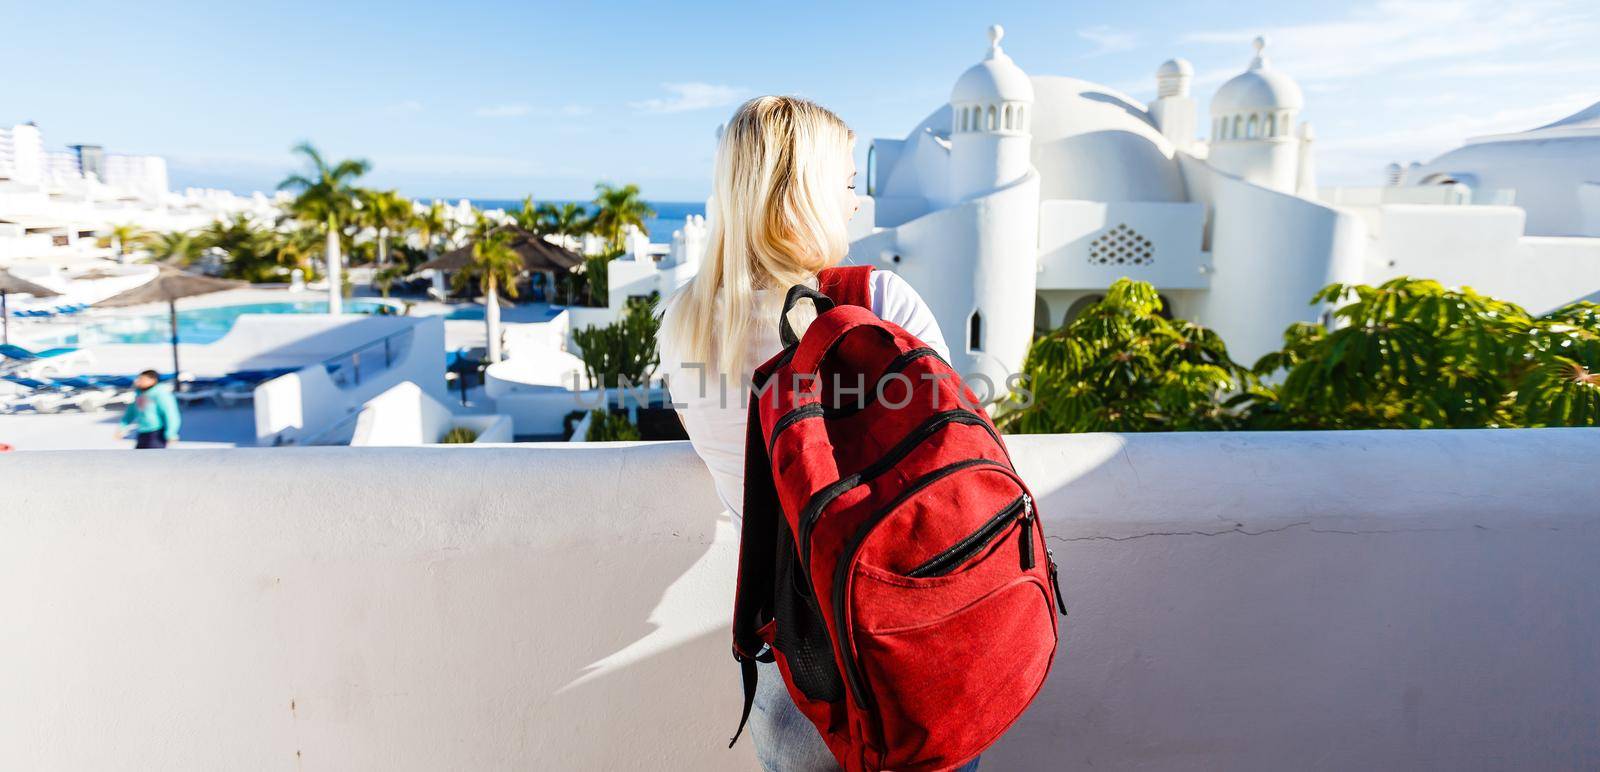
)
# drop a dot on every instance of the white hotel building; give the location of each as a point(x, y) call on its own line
point(1017, 202)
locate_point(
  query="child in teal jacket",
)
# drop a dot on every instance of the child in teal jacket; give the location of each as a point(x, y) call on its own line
point(153, 414)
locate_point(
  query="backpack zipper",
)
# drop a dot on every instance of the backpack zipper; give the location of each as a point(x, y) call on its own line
point(790, 419)
point(948, 559)
point(816, 409)
point(820, 500)
point(1055, 583)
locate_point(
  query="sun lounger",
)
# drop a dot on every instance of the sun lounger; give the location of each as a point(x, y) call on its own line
point(42, 364)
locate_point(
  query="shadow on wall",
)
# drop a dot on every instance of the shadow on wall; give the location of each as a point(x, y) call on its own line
point(1390, 600)
point(1123, 104)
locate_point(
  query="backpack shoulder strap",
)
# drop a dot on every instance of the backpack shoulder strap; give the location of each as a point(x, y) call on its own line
point(758, 537)
point(847, 285)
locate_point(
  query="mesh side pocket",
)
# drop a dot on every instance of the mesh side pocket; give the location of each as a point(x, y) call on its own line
point(801, 633)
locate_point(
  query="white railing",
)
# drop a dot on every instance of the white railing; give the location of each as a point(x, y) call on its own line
point(1352, 600)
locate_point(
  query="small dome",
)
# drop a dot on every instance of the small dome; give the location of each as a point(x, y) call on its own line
point(995, 79)
point(1259, 88)
point(1175, 68)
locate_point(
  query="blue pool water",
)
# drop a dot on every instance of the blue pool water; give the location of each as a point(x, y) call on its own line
point(196, 325)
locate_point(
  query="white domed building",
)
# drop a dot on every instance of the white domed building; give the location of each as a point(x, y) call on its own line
point(1014, 205)
point(1551, 172)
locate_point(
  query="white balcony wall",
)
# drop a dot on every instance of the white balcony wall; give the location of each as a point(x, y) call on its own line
point(406, 415)
point(1349, 600)
point(315, 406)
point(1080, 241)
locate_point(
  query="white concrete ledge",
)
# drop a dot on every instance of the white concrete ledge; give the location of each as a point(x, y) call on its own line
point(1353, 600)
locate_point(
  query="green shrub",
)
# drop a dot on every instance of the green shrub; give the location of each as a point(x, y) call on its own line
point(606, 426)
point(460, 435)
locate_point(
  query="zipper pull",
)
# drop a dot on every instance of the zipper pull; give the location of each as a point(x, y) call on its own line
point(1027, 533)
point(1055, 581)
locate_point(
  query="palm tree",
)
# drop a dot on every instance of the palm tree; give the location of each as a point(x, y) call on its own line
point(296, 247)
point(494, 265)
point(248, 250)
point(124, 237)
point(179, 248)
point(433, 223)
point(329, 198)
point(529, 217)
point(615, 209)
point(567, 220)
point(388, 213)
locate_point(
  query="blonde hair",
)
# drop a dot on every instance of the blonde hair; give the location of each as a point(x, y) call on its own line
point(778, 214)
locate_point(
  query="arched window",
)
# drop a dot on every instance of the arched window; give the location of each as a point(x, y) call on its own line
point(1041, 316)
point(1020, 125)
point(1283, 124)
point(1272, 126)
point(1080, 305)
point(991, 121)
point(1238, 127)
point(1253, 128)
point(872, 166)
point(975, 332)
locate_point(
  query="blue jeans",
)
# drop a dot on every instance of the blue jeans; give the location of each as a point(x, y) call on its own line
point(785, 739)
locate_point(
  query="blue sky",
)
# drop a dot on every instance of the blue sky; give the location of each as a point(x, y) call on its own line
point(495, 100)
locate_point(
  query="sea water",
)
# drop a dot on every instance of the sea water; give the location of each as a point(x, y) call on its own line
point(670, 215)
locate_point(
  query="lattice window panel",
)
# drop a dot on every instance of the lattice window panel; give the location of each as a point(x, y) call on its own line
point(1121, 246)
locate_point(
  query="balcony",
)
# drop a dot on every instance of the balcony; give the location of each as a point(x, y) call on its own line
point(1350, 600)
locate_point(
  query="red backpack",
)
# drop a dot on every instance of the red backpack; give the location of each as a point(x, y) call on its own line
point(891, 561)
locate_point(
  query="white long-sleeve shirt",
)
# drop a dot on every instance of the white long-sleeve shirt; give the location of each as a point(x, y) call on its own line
point(715, 417)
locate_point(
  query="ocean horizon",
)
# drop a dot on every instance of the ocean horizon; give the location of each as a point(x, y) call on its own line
point(670, 215)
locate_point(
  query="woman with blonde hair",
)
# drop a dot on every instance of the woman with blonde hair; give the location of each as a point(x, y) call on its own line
point(784, 192)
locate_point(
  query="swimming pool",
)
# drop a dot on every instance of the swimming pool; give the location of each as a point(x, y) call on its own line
point(195, 325)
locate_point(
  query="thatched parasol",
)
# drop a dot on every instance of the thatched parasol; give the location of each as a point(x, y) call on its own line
point(537, 254)
point(10, 284)
point(169, 285)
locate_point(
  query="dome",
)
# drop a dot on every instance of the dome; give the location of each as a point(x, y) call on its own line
point(995, 79)
point(1259, 88)
point(1094, 143)
point(1175, 68)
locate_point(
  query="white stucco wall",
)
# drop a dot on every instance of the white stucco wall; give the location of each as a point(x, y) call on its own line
point(406, 415)
point(994, 240)
point(1355, 600)
point(1547, 174)
point(1068, 231)
point(1270, 253)
point(1483, 247)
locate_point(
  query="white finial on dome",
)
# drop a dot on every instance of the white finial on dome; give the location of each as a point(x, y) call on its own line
point(995, 79)
point(1260, 45)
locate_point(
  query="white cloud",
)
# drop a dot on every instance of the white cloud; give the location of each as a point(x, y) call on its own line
point(406, 106)
point(684, 97)
point(1107, 40)
point(504, 111)
point(1393, 34)
point(1402, 80)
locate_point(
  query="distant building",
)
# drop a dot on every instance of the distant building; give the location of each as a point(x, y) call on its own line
point(53, 201)
point(1014, 205)
point(1551, 172)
